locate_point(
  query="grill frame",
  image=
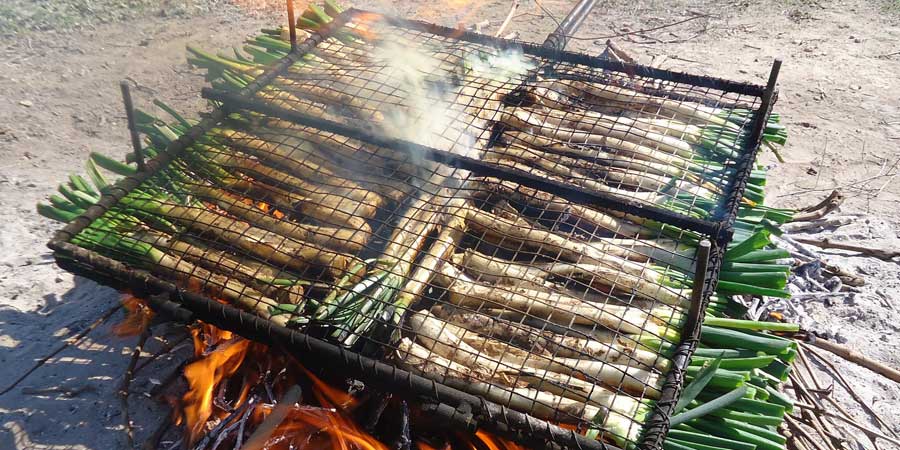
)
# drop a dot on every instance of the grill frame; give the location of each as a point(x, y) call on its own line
point(464, 410)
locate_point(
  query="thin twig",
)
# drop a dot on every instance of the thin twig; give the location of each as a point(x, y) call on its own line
point(868, 431)
point(213, 434)
point(629, 33)
point(846, 385)
point(822, 211)
point(70, 341)
point(239, 424)
point(168, 347)
point(259, 437)
point(794, 424)
point(831, 197)
point(126, 383)
point(854, 356)
point(884, 255)
point(508, 19)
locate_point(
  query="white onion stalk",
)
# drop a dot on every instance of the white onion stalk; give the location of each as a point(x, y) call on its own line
point(549, 202)
point(596, 133)
point(607, 162)
point(693, 110)
point(501, 271)
point(618, 350)
point(556, 308)
point(494, 387)
point(445, 339)
point(610, 146)
point(574, 251)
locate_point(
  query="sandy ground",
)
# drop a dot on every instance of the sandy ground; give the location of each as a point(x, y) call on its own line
point(59, 100)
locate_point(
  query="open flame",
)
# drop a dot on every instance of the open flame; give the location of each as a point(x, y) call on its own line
point(137, 317)
point(215, 400)
point(203, 376)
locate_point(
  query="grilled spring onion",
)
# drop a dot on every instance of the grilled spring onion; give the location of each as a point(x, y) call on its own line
point(470, 349)
point(104, 236)
point(646, 280)
point(554, 307)
point(310, 199)
point(478, 380)
point(547, 343)
point(597, 276)
point(342, 239)
point(260, 242)
point(356, 307)
point(748, 247)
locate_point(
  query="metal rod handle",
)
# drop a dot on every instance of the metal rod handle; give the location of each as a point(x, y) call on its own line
point(695, 312)
point(132, 126)
point(292, 25)
point(558, 39)
point(768, 96)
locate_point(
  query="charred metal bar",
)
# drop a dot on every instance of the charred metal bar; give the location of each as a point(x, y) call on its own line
point(567, 191)
point(132, 127)
point(348, 363)
point(766, 105)
point(292, 25)
point(705, 274)
point(735, 188)
point(695, 312)
point(572, 57)
point(558, 39)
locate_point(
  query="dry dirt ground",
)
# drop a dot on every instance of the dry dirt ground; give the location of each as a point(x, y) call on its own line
point(60, 63)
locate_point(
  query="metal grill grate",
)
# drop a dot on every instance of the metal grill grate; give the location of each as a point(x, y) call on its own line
point(437, 220)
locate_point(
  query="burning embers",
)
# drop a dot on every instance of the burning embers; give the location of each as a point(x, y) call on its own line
point(242, 394)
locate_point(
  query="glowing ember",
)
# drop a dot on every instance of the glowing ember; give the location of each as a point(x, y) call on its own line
point(137, 317)
point(265, 375)
point(203, 377)
point(316, 427)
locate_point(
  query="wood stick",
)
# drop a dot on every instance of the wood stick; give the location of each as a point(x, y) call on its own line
point(884, 255)
point(126, 383)
point(259, 437)
point(853, 356)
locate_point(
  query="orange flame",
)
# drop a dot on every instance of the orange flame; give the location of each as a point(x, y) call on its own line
point(483, 439)
point(328, 395)
point(497, 442)
point(308, 426)
point(203, 376)
point(221, 356)
point(137, 317)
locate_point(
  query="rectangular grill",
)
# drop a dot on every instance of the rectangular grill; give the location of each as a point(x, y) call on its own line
point(564, 294)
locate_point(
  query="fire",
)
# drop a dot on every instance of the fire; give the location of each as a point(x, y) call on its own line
point(137, 317)
point(316, 427)
point(203, 376)
point(483, 439)
point(265, 375)
point(328, 395)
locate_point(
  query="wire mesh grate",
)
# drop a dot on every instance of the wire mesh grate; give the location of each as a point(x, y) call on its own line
point(525, 298)
point(638, 138)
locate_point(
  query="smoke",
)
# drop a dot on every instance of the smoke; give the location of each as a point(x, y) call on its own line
point(443, 94)
point(441, 90)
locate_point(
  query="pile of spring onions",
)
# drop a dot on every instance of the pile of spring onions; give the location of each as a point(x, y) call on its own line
point(267, 218)
point(512, 330)
point(497, 307)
